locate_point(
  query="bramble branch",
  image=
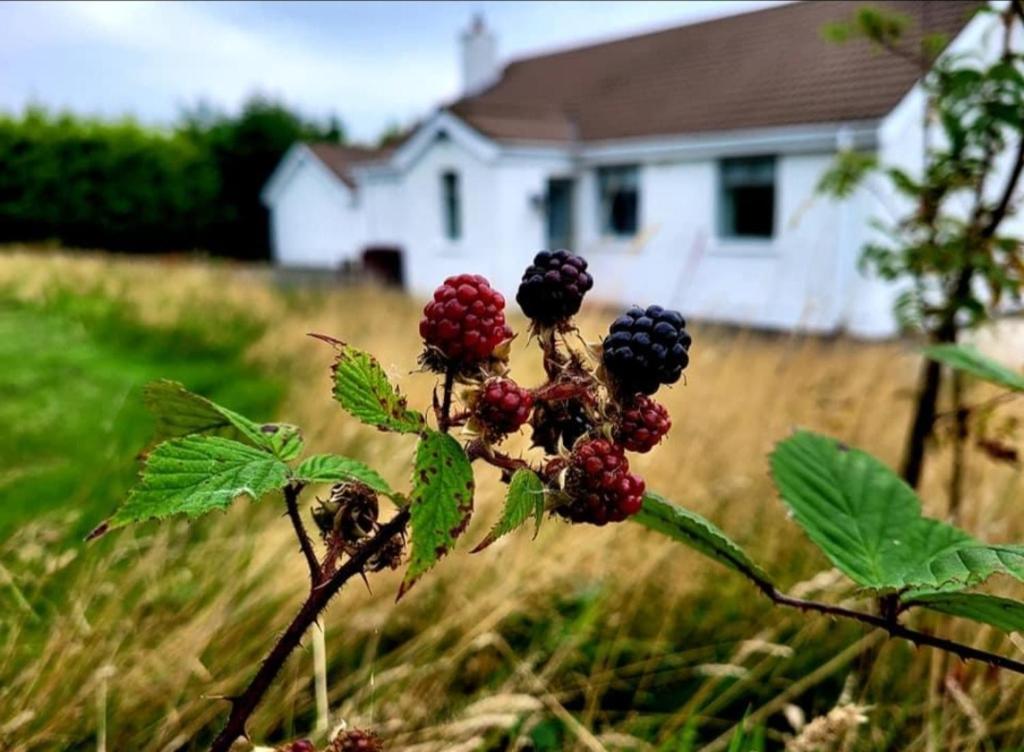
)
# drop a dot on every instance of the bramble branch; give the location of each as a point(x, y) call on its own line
point(243, 706)
point(887, 621)
point(291, 500)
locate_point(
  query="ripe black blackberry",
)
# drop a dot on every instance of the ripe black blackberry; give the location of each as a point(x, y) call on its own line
point(502, 407)
point(646, 348)
point(553, 287)
point(642, 424)
point(356, 740)
point(559, 422)
point(599, 485)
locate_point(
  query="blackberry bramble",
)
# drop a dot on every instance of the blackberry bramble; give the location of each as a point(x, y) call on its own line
point(464, 323)
point(599, 485)
point(646, 348)
point(553, 287)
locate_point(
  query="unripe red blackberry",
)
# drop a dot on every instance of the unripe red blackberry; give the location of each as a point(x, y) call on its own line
point(301, 745)
point(502, 407)
point(559, 422)
point(553, 287)
point(356, 740)
point(465, 321)
point(646, 348)
point(642, 424)
point(599, 485)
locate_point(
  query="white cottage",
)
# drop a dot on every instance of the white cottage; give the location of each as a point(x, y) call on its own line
point(681, 164)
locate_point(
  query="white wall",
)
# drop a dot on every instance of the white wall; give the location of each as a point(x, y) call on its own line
point(678, 258)
point(429, 255)
point(315, 219)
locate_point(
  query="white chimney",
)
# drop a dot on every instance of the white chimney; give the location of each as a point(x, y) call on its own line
point(479, 57)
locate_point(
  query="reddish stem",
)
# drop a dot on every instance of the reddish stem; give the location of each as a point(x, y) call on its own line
point(243, 706)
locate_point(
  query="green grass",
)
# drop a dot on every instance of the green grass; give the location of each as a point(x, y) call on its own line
point(71, 369)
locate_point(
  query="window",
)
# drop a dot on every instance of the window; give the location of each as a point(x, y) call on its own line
point(618, 191)
point(747, 197)
point(451, 208)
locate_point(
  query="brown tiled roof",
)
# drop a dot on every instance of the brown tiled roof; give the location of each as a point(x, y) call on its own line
point(767, 68)
point(341, 159)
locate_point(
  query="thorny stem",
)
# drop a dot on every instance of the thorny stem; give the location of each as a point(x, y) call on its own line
point(291, 500)
point(243, 705)
point(444, 418)
point(888, 620)
point(478, 450)
point(554, 360)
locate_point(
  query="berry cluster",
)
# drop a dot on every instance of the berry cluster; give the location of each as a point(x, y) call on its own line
point(464, 322)
point(553, 287)
point(587, 414)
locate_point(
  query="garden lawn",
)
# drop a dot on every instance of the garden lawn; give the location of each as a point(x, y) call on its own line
point(71, 369)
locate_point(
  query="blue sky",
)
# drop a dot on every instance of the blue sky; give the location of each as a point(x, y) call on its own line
point(371, 63)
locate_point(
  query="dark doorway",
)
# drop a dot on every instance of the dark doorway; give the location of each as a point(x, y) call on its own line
point(559, 213)
point(384, 263)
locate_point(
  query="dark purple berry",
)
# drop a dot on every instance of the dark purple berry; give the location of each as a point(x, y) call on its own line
point(553, 287)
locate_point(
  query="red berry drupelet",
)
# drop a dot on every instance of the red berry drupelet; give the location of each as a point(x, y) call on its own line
point(465, 321)
point(553, 287)
point(600, 487)
point(646, 348)
point(301, 745)
point(502, 407)
point(642, 425)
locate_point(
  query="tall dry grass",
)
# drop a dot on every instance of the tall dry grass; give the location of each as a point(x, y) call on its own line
point(593, 638)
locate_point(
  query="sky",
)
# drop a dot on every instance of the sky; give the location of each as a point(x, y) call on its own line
point(373, 64)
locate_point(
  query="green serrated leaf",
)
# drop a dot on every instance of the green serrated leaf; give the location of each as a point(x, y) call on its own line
point(525, 499)
point(969, 360)
point(179, 412)
point(970, 564)
point(283, 439)
point(1001, 613)
point(330, 468)
point(194, 475)
point(868, 522)
point(693, 530)
point(441, 502)
point(363, 389)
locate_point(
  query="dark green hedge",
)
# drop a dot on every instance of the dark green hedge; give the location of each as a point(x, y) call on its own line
point(121, 186)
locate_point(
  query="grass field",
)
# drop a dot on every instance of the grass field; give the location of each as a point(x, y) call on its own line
point(583, 639)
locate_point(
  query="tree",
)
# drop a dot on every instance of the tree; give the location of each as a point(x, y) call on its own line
point(948, 249)
point(245, 150)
